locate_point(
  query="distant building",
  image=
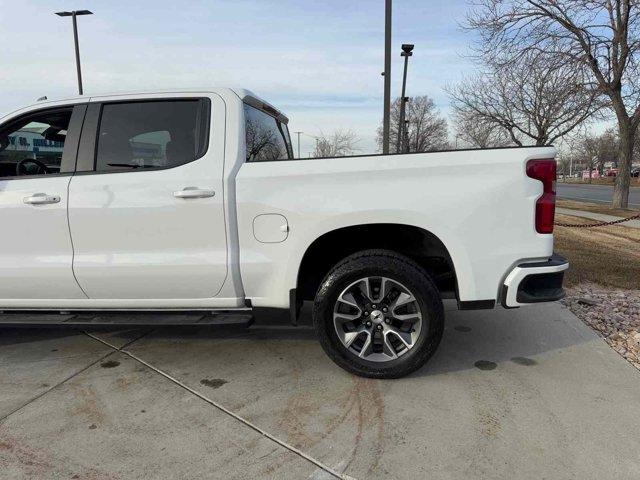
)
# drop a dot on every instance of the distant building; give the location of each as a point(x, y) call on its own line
point(31, 144)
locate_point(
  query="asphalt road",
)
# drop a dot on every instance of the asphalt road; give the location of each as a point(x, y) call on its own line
point(594, 193)
point(531, 391)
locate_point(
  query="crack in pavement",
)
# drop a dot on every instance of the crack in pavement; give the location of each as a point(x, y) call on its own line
point(73, 375)
point(225, 410)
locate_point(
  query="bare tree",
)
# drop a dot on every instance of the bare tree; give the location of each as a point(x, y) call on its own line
point(262, 143)
point(426, 129)
point(601, 37)
point(478, 132)
point(593, 151)
point(534, 100)
point(564, 164)
point(606, 145)
point(339, 144)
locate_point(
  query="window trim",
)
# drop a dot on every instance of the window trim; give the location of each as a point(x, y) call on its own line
point(284, 128)
point(88, 150)
point(288, 145)
point(71, 143)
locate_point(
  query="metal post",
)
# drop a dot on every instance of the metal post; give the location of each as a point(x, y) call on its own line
point(298, 133)
point(407, 50)
point(387, 78)
point(75, 40)
point(405, 148)
point(402, 104)
point(571, 167)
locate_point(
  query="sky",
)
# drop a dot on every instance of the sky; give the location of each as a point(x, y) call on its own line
point(319, 62)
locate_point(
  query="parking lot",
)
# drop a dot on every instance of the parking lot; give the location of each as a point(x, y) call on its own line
point(528, 393)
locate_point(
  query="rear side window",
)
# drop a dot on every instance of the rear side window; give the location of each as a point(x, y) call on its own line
point(266, 137)
point(147, 135)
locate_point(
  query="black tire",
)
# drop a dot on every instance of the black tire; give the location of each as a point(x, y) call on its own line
point(383, 263)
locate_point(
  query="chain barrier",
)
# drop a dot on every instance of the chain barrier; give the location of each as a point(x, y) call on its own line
point(600, 224)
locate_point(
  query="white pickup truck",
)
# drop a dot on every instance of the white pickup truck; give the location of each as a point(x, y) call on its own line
point(193, 201)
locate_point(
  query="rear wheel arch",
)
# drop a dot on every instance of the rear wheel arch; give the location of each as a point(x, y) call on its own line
point(416, 243)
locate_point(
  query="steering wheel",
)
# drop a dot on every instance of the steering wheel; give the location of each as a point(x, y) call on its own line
point(21, 170)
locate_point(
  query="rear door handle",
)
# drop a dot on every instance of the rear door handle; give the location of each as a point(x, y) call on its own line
point(194, 192)
point(41, 199)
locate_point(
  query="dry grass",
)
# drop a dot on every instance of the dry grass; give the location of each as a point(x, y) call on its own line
point(608, 256)
point(595, 208)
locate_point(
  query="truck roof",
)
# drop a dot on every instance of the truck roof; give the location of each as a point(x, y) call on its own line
point(245, 95)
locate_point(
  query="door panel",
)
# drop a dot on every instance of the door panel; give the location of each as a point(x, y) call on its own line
point(36, 161)
point(36, 253)
point(136, 235)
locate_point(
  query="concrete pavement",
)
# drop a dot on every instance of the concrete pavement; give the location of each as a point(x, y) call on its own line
point(595, 193)
point(527, 393)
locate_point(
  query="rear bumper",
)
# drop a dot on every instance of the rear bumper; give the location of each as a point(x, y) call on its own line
point(534, 283)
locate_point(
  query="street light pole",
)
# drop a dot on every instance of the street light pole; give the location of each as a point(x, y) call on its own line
point(73, 16)
point(298, 133)
point(387, 78)
point(407, 51)
point(75, 42)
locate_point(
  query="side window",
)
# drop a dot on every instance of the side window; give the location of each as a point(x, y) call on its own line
point(34, 144)
point(265, 136)
point(151, 134)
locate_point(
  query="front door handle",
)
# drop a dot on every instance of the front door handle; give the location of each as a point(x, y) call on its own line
point(41, 199)
point(194, 192)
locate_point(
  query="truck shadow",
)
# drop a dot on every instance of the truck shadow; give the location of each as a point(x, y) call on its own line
point(472, 339)
point(20, 335)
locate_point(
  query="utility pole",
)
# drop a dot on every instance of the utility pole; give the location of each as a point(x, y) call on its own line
point(407, 51)
point(571, 166)
point(406, 137)
point(298, 133)
point(73, 16)
point(387, 78)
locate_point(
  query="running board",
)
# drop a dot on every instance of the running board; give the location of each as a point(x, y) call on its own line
point(242, 319)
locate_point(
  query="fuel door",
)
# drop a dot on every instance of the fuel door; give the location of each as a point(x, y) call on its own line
point(270, 228)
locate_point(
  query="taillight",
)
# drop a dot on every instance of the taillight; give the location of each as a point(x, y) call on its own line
point(545, 171)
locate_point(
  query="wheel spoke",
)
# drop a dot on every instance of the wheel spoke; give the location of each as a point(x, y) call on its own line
point(404, 337)
point(407, 316)
point(388, 349)
point(365, 288)
point(350, 337)
point(402, 299)
point(345, 317)
point(349, 299)
point(366, 347)
point(385, 288)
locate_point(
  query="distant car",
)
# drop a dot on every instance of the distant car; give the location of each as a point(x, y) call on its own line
point(635, 172)
point(612, 172)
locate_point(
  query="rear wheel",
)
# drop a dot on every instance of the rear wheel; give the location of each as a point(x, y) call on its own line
point(378, 314)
